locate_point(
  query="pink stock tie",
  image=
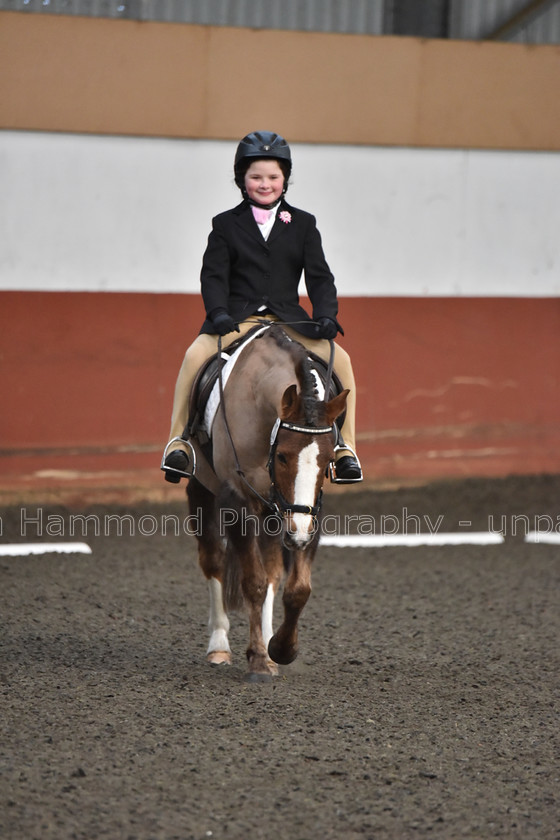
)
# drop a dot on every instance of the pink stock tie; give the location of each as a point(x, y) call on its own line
point(261, 216)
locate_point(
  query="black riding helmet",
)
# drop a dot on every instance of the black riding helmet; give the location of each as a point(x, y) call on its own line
point(260, 145)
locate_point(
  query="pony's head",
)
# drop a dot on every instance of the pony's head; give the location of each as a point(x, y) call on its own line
point(301, 451)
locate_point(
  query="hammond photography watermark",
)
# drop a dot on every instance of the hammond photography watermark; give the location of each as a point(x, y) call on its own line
point(38, 523)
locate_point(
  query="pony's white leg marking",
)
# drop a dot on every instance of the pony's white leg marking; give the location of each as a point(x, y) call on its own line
point(267, 608)
point(218, 622)
point(304, 491)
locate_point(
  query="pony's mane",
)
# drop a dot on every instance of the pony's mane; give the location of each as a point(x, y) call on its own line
point(304, 372)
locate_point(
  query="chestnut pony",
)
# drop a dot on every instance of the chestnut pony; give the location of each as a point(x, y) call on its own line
point(273, 439)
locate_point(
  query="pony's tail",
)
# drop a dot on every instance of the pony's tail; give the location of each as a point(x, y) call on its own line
point(232, 592)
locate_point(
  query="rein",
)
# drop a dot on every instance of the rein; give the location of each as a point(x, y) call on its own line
point(277, 503)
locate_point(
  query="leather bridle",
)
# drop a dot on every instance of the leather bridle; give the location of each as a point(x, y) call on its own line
point(277, 498)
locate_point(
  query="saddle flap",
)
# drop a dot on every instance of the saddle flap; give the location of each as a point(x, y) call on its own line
point(205, 382)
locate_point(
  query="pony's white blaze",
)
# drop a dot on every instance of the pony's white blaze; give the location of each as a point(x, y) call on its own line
point(304, 492)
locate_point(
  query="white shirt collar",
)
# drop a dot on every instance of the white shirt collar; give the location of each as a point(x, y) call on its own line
point(267, 227)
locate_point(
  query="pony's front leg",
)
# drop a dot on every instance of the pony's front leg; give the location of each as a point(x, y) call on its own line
point(267, 615)
point(283, 646)
point(243, 559)
point(271, 554)
point(258, 597)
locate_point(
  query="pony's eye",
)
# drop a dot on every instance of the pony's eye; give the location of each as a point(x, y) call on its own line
point(282, 458)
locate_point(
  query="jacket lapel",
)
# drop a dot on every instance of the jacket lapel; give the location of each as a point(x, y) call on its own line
point(279, 227)
point(246, 220)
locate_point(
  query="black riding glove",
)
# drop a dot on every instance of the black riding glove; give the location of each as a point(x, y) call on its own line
point(223, 322)
point(326, 328)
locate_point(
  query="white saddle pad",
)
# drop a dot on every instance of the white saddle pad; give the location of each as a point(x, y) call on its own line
point(214, 398)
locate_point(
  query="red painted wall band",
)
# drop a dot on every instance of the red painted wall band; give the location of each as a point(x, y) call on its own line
point(446, 386)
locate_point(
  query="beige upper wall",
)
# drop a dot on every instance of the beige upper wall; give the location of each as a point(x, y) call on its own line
point(175, 80)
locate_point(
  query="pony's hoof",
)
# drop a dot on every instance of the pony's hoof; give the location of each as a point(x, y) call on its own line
point(272, 667)
point(261, 669)
point(283, 655)
point(219, 657)
point(254, 677)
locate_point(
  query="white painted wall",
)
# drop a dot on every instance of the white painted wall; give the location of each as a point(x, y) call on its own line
point(131, 214)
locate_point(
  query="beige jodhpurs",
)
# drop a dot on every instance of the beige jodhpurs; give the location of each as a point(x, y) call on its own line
point(206, 345)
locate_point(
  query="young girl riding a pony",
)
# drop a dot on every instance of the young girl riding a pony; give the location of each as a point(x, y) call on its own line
point(251, 268)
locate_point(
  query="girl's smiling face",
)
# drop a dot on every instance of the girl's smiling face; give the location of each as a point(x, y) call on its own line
point(264, 181)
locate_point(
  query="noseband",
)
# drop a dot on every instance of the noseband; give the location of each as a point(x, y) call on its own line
point(277, 500)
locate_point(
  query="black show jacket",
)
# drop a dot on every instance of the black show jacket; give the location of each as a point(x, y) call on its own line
point(241, 272)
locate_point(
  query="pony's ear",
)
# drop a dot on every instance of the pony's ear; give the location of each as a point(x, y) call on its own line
point(336, 406)
point(290, 403)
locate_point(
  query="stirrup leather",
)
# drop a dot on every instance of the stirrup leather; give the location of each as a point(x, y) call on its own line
point(332, 467)
point(190, 455)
